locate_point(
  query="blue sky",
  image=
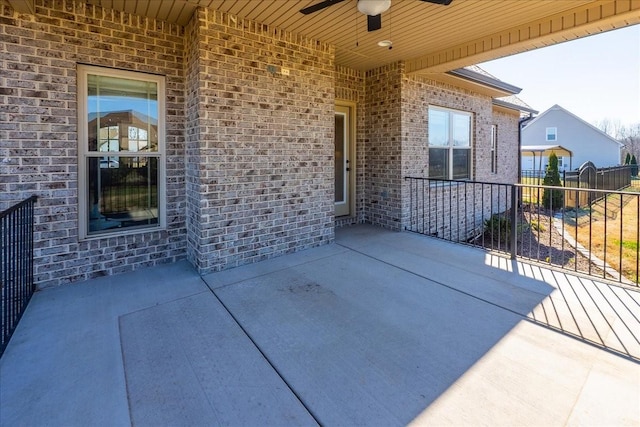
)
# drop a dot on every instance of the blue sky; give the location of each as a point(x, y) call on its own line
point(595, 77)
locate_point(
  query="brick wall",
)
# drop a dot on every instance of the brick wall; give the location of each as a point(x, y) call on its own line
point(261, 180)
point(393, 140)
point(383, 146)
point(249, 150)
point(193, 159)
point(508, 149)
point(38, 134)
point(418, 94)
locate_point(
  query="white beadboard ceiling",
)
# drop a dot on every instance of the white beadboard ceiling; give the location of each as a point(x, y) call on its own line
point(431, 38)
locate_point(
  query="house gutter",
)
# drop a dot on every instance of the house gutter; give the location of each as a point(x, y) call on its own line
point(511, 106)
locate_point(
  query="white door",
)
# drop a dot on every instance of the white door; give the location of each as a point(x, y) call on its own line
point(342, 161)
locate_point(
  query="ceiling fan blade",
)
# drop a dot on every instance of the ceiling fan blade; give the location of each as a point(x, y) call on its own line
point(442, 2)
point(319, 6)
point(374, 22)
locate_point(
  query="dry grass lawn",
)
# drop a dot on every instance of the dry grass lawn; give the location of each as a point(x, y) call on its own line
point(610, 231)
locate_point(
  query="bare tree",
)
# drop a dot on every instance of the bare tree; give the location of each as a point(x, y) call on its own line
point(629, 135)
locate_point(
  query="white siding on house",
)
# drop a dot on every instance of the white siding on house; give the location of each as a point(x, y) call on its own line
point(586, 142)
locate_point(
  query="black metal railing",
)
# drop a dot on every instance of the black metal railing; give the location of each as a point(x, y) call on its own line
point(588, 176)
point(16, 265)
point(599, 239)
point(460, 211)
point(531, 176)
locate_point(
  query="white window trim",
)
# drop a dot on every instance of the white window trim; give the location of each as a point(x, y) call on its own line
point(555, 133)
point(83, 188)
point(451, 147)
point(494, 149)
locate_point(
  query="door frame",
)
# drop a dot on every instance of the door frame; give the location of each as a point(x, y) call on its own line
point(351, 135)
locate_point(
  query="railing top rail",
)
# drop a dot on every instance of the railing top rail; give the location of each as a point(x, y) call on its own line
point(17, 206)
point(590, 190)
point(460, 181)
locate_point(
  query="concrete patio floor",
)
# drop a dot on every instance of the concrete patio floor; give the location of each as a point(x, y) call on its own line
point(380, 328)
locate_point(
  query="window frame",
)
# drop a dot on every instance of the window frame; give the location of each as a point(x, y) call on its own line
point(494, 149)
point(547, 133)
point(84, 153)
point(450, 146)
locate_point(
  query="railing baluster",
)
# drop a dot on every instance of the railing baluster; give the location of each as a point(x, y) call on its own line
point(604, 272)
point(16, 265)
point(590, 233)
point(638, 240)
point(621, 239)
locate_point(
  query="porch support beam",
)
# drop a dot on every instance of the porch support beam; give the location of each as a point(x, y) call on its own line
point(592, 18)
point(23, 6)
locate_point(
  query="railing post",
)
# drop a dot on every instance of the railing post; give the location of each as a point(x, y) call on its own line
point(514, 218)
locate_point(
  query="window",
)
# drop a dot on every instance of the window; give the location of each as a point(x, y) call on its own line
point(552, 134)
point(449, 144)
point(121, 150)
point(494, 148)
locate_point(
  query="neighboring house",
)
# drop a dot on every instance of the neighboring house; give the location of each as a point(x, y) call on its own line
point(572, 139)
point(190, 132)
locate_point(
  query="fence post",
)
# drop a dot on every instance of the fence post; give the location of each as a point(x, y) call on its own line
point(514, 218)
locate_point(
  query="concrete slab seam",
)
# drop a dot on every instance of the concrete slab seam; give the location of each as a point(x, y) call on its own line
point(446, 263)
point(255, 344)
point(124, 371)
point(161, 303)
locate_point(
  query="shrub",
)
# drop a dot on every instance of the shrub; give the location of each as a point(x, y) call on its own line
point(536, 226)
point(552, 198)
point(498, 228)
point(634, 165)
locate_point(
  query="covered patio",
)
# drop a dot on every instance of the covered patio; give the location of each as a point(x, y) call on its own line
point(378, 328)
point(540, 152)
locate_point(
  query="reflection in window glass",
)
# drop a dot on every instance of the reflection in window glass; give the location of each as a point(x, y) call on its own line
point(138, 139)
point(461, 164)
point(109, 139)
point(122, 195)
point(340, 165)
point(461, 130)
point(438, 128)
point(438, 163)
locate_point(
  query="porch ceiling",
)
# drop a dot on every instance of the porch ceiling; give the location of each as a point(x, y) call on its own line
point(429, 37)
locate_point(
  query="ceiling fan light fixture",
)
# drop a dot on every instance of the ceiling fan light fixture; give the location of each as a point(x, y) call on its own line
point(385, 43)
point(373, 7)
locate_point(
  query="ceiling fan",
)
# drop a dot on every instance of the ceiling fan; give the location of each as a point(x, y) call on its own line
point(371, 8)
